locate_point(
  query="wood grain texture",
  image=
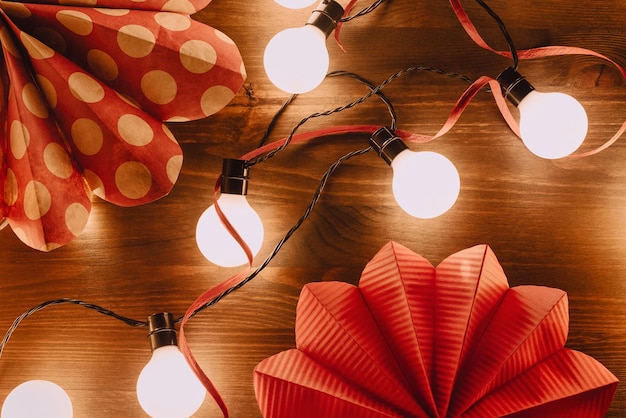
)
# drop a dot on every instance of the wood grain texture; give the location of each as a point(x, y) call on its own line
point(555, 224)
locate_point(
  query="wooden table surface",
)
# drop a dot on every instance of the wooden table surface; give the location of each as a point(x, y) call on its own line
point(558, 224)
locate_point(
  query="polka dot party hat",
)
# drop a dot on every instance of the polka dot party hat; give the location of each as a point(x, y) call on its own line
point(86, 86)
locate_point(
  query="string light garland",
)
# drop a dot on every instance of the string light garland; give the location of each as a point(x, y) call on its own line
point(389, 142)
point(500, 88)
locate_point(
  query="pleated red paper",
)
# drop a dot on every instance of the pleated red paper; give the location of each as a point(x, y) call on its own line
point(413, 340)
point(86, 87)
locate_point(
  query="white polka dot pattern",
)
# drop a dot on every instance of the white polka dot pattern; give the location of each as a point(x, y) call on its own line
point(179, 6)
point(36, 166)
point(98, 80)
point(126, 149)
point(121, 51)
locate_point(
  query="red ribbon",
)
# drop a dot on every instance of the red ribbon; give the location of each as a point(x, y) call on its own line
point(346, 12)
point(229, 226)
point(182, 340)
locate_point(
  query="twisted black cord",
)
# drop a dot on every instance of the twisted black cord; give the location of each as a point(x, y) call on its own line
point(375, 90)
point(272, 124)
point(288, 235)
point(63, 301)
point(504, 31)
point(383, 97)
point(369, 84)
point(363, 12)
point(350, 105)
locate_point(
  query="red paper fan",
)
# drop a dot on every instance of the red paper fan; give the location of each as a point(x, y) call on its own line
point(413, 340)
point(87, 87)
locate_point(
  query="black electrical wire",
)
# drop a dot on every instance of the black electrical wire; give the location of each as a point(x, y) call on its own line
point(329, 172)
point(390, 108)
point(63, 301)
point(363, 12)
point(505, 32)
point(373, 91)
point(272, 124)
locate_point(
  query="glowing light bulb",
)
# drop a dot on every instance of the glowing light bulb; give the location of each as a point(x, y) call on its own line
point(425, 184)
point(295, 4)
point(37, 398)
point(167, 387)
point(296, 59)
point(552, 125)
point(212, 237)
point(216, 243)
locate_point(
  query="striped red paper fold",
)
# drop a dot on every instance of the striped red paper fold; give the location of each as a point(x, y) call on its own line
point(86, 89)
point(413, 340)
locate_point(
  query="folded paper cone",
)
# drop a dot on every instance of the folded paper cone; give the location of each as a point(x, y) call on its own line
point(419, 341)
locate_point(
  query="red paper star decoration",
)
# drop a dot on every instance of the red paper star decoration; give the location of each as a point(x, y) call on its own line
point(86, 86)
point(413, 340)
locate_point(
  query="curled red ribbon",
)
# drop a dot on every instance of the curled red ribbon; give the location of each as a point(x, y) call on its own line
point(534, 53)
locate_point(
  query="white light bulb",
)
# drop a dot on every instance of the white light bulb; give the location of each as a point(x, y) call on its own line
point(214, 240)
point(37, 398)
point(425, 184)
point(552, 125)
point(296, 59)
point(167, 387)
point(295, 4)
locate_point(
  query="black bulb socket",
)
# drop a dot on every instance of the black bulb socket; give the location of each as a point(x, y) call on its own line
point(235, 176)
point(514, 86)
point(326, 16)
point(387, 144)
point(161, 330)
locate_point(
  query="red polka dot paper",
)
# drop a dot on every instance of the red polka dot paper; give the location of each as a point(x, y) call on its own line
point(180, 6)
point(87, 88)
